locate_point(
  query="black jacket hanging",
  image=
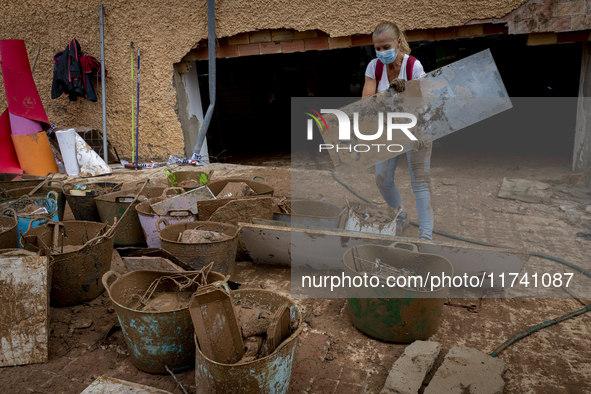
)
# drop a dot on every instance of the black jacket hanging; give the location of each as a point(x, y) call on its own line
point(67, 72)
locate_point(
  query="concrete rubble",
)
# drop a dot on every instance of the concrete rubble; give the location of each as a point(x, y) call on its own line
point(408, 372)
point(467, 370)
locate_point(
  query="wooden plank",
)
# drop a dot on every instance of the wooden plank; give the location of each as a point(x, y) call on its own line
point(150, 263)
point(24, 308)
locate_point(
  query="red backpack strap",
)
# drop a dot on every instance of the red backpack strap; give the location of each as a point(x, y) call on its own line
point(409, 66)
point(379, 71)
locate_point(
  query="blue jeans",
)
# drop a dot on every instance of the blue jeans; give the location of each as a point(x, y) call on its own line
point(419, 163)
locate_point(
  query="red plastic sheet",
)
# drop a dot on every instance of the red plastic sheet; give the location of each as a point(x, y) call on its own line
point(21, 93)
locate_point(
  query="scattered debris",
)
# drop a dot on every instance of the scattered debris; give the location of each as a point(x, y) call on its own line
point(216, 326)
point(408, 372)
point(24, 316)
point(525, 190)
point(236, 190)
point(570, 179)
point(80, 324)
point(194, 236)
point(165, 302)
point(467, 370)
point(111, 385)
point(32, 210)
point(586, 235)
point(279, 329)
point(449, 182)
point(156, 263)
point(175, 379)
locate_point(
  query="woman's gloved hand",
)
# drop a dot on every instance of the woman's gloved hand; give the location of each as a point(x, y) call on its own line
point(399, 85)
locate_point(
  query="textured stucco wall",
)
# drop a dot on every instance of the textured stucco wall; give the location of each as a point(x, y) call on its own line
point(166, 30)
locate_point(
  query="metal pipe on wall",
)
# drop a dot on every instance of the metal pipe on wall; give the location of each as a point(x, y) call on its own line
point(103, 82)
point(211, 52)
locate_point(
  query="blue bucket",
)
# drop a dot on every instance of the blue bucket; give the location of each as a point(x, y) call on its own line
point(155, 339)
point(26, 222)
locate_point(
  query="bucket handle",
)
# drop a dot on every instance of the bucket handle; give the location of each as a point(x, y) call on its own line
point(224, 285)
point(118, 198)
point(60, 183)
point(413, 247)
point(10, 210)
point(170, 175)
point(161, 220)
point(164, 195)
point(179, 212)
point(259, 176)
point(45, 220)
point(49, 175)
point(142, 182)
point(52, 195)
point(106, 278)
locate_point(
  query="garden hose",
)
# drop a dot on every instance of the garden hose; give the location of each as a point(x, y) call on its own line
point(542, 255)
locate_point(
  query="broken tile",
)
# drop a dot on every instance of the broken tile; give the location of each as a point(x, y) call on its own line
point(467, 370)
point(408, 372)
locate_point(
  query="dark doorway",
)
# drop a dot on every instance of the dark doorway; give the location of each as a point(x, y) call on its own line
point(252, 112)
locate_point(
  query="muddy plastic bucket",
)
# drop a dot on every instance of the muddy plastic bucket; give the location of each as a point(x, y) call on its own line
point(188, 180)
point(61, 199)
point(270, 374)
point(154, 339)
point(148, 219)
point(404, 315)
point(8, 230)
point(312, 214)
point(198, 255)
point(84, 206)
point(208, 207)
point(113, 205)
point(76, 274)
point(25, 221)
point(9, 181)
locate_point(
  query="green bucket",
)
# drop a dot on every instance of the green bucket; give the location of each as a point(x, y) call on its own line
point(395, 314)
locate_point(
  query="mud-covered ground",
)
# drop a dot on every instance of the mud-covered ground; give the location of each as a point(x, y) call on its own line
point(333, 356)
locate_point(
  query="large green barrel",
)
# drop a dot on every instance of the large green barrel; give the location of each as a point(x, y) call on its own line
point(395, 314)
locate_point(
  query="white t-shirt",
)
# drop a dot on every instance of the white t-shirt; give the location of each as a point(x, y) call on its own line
point(417, 72)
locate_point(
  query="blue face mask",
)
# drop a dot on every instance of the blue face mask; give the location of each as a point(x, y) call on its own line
point(388, 56)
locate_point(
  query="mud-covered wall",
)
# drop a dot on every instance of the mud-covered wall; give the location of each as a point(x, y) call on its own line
point(166, 30)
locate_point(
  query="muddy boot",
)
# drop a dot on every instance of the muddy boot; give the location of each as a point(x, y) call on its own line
point(402, 223)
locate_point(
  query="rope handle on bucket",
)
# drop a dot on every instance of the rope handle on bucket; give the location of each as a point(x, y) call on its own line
point(49, 175)
point(161, 220)
point(40, 185)
point(44, 220)
point(170, 175)
point(52, 196)
point(259, 176)
point(60, 183)
point(179, 212)
point(413, 247)
point(10, 210)
point(106, 278)
point(142, 182)
point(165, 191)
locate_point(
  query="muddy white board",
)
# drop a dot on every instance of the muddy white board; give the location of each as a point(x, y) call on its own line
point(324, 249)
point(24, 308)
point(106, 385)
point(444, 101)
